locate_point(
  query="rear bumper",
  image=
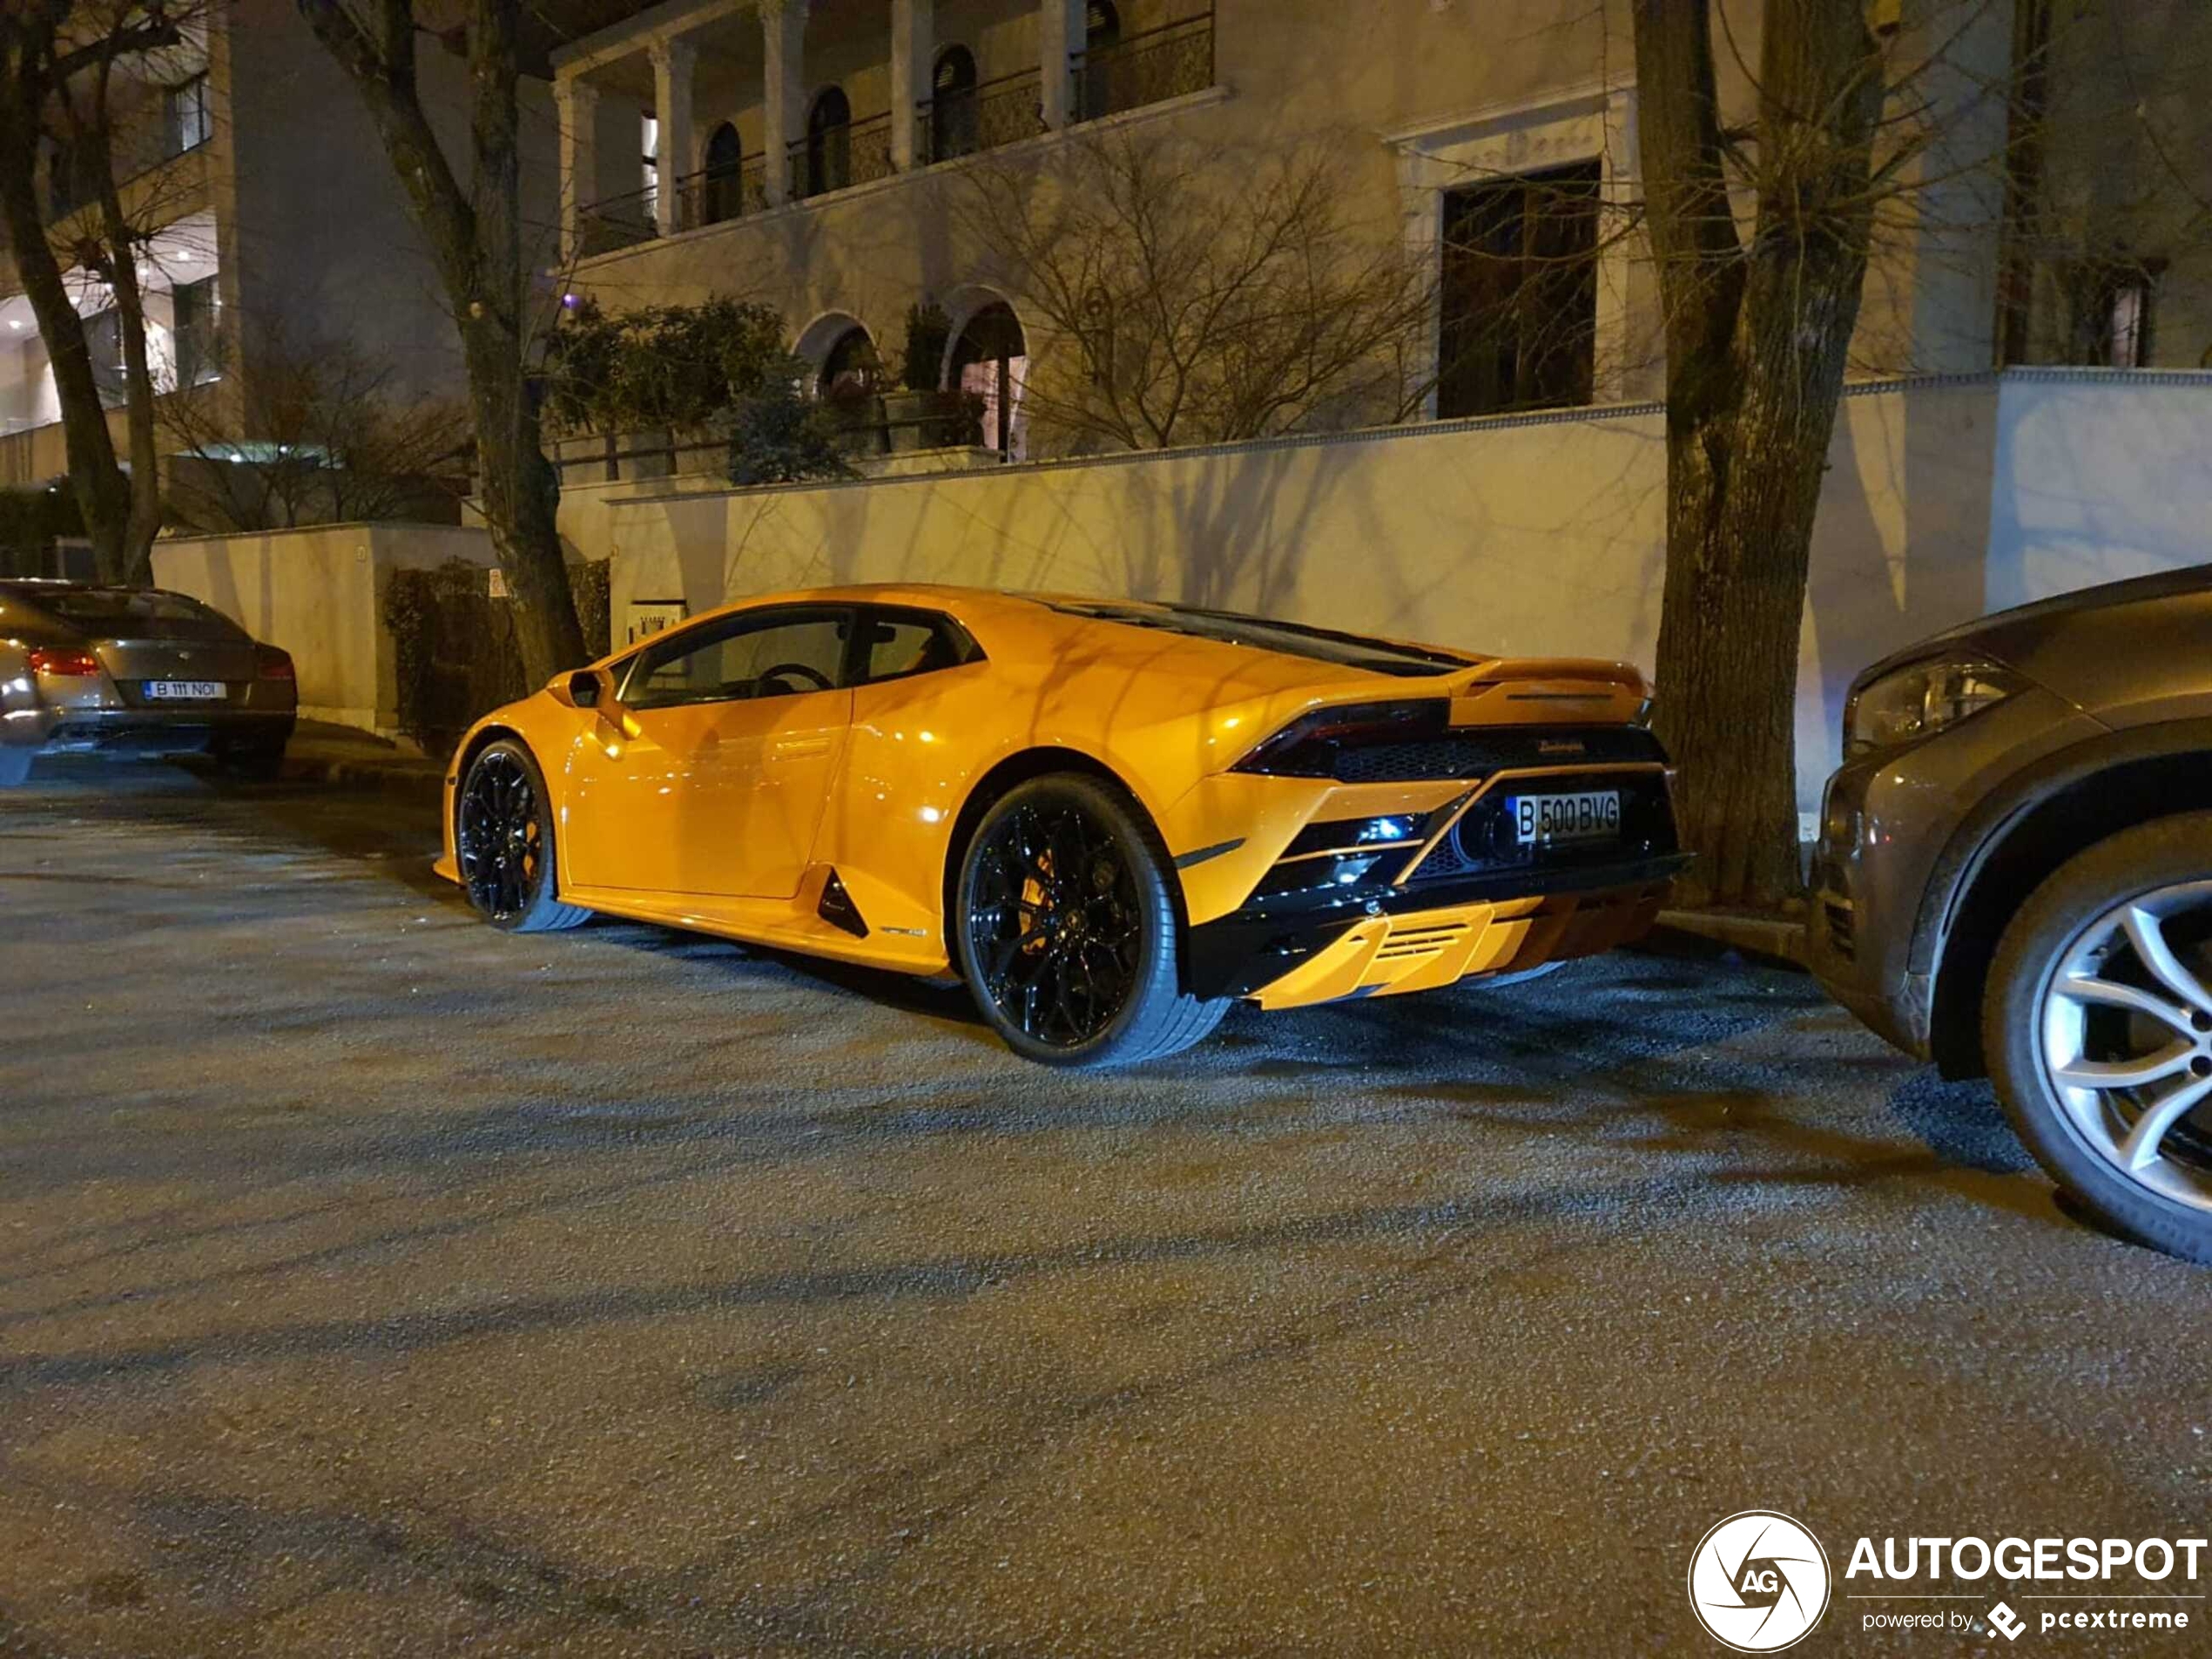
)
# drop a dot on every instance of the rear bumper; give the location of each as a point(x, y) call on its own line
point(1420, 938)
point(125, 732)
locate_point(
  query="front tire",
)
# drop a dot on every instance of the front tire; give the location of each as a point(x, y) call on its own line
point(2097, 1024)
point(503, 840)
point(1066, 932)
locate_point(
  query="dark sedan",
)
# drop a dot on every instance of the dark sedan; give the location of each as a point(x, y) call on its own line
point(135, 673)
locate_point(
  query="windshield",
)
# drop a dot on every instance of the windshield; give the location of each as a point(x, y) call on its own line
point(1291, 639)
point(107, 609)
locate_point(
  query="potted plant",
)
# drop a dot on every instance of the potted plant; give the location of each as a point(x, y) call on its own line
point(920, 413)
point(627, 392)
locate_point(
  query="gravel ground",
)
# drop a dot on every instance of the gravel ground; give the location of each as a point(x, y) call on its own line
point(374, 1283)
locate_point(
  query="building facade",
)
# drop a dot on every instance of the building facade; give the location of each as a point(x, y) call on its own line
point(273, 225)
point(815, 154)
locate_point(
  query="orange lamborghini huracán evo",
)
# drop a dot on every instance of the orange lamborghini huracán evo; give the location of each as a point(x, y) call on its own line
point(1109, 818)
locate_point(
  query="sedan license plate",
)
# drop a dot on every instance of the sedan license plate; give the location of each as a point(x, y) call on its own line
point(1588, 815)
point(185, 691)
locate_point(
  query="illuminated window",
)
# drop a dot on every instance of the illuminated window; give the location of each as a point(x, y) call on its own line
point(185, 110)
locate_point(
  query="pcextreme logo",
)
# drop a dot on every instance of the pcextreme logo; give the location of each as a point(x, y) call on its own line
point(1758, 1581)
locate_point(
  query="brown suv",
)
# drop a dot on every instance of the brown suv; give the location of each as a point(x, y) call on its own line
point(2014, 878)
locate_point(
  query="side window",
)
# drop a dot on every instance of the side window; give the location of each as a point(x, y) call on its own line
point(783, 655)
point(905, 643)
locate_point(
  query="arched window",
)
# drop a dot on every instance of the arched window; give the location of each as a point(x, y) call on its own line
point(849, 385)
point(1101, 33)
point(850, 368)
point(991, 360)
point(952, 104)
point(829, 142)
point(721, 196)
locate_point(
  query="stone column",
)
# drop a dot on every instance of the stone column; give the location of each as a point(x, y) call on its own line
point(1060, 35)
point(576, 103)
point(783, 33)
point(913, 45)
point(672, 61)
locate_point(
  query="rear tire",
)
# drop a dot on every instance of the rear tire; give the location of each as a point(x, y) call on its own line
point(1065, 929)
point(14, 765)
point(503, 840)
point(2084, 942)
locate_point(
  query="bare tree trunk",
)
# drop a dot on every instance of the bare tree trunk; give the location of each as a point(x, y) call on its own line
point(520, 495)
point(475, 238)
point(117, 261)
point(1757, 341)
point(521, 491)
point(103, 492)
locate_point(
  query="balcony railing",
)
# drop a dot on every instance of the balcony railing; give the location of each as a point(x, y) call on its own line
point(717, 194)
point(1148, 68)
point(1170, 61)
point(616, 222)
point(708, 196)
point(856, 154)
point(1000, 112)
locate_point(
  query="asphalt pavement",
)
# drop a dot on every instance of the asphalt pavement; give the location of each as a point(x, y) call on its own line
point(375, 1283)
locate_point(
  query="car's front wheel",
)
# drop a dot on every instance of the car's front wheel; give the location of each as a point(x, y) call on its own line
point(1067, 930)
point(2097, 1023)
point(503, 840)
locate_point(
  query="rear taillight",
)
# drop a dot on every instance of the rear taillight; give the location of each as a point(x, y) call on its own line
point(1308, 746)
point(273, 664)
point(54, 659)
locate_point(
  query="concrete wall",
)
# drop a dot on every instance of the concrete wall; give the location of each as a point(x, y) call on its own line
point(319, 594)
point(318, 243)
point(1944, 498)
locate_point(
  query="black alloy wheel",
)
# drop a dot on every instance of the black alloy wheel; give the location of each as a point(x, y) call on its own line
point(1067, 929)
point(503, 842)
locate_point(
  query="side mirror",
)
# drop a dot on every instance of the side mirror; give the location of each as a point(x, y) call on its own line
point(584, 687)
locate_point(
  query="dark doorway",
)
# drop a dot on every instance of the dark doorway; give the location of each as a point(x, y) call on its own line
point(989, 361)
point(721, 196)
point(829, 142)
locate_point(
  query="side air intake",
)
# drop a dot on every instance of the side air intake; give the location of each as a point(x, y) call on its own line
point(838, 909)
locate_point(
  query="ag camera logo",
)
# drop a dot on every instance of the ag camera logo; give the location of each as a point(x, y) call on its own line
point(1758, 1581)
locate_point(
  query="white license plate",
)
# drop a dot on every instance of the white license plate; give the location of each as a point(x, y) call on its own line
point(1588, 815)
point(186, 691)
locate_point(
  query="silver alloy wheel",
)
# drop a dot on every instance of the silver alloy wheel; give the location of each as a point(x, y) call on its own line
point(2126, 1038)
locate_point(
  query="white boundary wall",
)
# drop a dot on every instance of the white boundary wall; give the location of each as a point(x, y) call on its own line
point(319, 593)
point(1945, 498)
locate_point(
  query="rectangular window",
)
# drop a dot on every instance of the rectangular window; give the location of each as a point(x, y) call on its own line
point(649, 138)
point(62, 195)
point(103, 340)
point(193, 324)
point(1519, 293)
point(186, 108)
point(2114, 302)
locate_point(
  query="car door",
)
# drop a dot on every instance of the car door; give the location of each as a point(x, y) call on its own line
point(709, 776)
